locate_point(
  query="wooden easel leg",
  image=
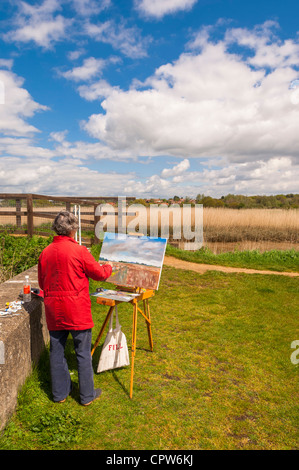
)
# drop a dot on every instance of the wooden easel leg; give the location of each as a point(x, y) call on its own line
point(134, 334)
point(148, 324)
point(102, 329)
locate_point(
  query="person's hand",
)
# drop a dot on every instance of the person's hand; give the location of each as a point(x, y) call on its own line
point(116, 266)
point(108, 263)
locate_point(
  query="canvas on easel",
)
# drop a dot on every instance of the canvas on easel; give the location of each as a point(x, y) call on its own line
point(138, 260)
point(137, 263)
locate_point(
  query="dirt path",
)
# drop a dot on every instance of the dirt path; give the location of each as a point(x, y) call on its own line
point(202, 268)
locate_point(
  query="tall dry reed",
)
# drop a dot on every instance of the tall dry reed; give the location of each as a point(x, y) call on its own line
point(266, 218)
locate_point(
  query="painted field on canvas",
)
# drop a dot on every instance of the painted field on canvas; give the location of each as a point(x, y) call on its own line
point(139, 259)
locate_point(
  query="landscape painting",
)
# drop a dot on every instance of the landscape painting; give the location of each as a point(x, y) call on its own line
point(137, 260)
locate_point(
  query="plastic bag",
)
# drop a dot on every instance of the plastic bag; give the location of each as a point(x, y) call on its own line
point(115, 349)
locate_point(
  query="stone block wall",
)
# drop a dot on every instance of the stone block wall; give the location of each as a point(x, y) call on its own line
point(22, 339)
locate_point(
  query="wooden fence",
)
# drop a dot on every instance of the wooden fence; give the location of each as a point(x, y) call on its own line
point(32, 212)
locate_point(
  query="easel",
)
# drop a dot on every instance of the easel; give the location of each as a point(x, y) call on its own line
point(144, 296)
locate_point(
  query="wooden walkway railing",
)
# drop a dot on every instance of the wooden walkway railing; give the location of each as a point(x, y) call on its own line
point(30, 213)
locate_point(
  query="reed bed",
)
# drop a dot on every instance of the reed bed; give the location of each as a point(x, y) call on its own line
point(231, 225)
point(268, 218)
point(224, 229)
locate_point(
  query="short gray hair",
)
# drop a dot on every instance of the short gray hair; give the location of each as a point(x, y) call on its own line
point(65, 222)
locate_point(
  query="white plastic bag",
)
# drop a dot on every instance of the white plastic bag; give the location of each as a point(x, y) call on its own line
point(115, 350)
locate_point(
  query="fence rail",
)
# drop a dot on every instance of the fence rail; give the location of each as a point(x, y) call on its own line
point(30, 213)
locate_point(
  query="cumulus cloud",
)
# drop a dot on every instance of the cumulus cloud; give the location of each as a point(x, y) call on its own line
point(178, 169)
point(45, 23)
point(269, 50)
point(211, 102)
point(17, 106)
point(190, 108)
point(24, 147)
point(128, 40)
point(160, 8)
point(149, 187)
point(90, 68)
point(58, 136)
point(96, 90)
point(38, 23)
point(277, 175)
point(65, 177)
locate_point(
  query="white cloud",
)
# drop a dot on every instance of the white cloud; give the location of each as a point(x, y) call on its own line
point(209, 103)
point(128, 40)
point(278, 175)
point(64, 177)
point(269, 50)
point(17, 106)
point(74, 55)
point(159, 8)
point(152, 186)
point(275, 176)
point(24, 147)
point(58, 136)
point(96, 90)
point(64, 170)
point(78, 151)
point(90, 7)
point(190, 108)
point(6, 63)
point(94, 151)
point(178, 169)
point(91, 68)
point(39, 24)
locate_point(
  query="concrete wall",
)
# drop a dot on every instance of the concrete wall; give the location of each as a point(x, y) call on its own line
point(22, 339)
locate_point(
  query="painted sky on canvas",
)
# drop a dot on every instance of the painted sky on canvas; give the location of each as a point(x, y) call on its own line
point(149, 98)
point(132, 249)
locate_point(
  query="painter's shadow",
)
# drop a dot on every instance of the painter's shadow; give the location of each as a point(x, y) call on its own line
point(43, 370)
point(113, 372)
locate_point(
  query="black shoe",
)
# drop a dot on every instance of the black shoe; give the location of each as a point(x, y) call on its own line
point(97, 394)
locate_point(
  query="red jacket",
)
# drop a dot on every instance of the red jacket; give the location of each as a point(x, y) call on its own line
point(63, 271)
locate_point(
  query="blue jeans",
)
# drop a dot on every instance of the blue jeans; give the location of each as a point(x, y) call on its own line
point(60, 375)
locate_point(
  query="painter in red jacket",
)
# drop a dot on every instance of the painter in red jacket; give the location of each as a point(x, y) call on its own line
point(63, 271)
point(64, 268)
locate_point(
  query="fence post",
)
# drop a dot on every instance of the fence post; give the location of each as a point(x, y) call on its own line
point(29, 215)
point(18, 213)
point(96, 220)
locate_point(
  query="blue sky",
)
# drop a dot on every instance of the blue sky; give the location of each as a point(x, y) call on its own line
point(149, 98)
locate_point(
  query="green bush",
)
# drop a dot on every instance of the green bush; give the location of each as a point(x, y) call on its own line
point(19, 253)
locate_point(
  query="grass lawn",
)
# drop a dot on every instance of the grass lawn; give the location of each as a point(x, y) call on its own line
point(220, 376)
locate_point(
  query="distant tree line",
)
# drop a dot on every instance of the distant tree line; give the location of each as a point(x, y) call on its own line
point(232, 201)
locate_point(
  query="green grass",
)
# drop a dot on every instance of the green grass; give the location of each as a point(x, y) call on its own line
point(220, 376)
point(273, 260)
